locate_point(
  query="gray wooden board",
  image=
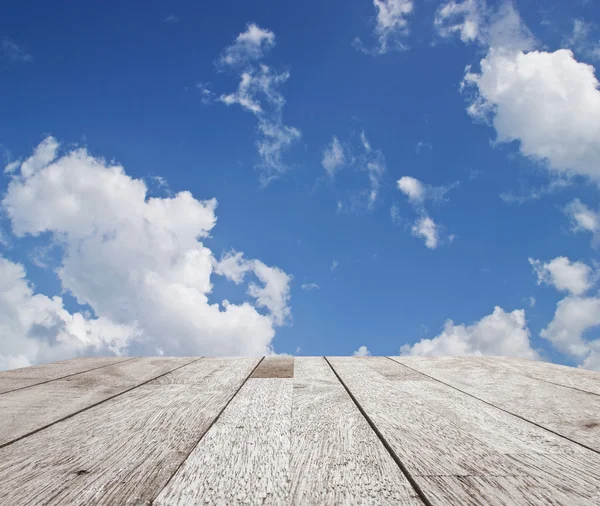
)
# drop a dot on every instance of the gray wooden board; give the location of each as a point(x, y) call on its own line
point(275, 367)
point(336, 457)
point(290, 441)
point(124, 450)
point(28, 410)
point(244, 457)
point(27, 376)
point(571, 377)
point(571, 413)
point(439, 432)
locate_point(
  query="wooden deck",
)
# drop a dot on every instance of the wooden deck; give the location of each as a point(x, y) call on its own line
point(334, 430)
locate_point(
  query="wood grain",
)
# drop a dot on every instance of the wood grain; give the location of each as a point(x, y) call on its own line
point(244, 458)
point(27, 376)
point(284, 441)
point(571, 413)
point(275, 367)
point(31, 409)
point(124, 450)
point(570, 377)
point(439, 432)
point(336, 456)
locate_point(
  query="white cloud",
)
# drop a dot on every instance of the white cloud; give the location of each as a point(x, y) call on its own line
point(12, 166)
point(12, 51)
point(418, 193)
point(250, 45)
point(364, 159)
point(500, 333)
point(334, 265)
point(474, 21)
point(583, 218)
point(171, 18)
point(564, 275)
point(580, 40)
point(35, 328)
point(258, 92)
point(574, 317)
point(426, 229)
point(140, 262)
point(395, 214)
point(391, 25)
point(333, 157)
point(412, 188)
point(463, 18)
point(546, 101)
point(362, 352)
point(307, 287)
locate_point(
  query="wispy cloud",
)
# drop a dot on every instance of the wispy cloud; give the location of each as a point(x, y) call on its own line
point(258, 93)
point(307, 287)
point(391, 26)
point(12, 51)
point(171, 18)
point(360, 156)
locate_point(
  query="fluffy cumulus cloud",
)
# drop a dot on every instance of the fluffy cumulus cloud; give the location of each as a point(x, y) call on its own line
point(37, 328)
point(139, 263)
point(499, 333)
point(362, 352)
point(258, 93)
point(547, 102)
point(564, 275)
point(391, 25)
point(418, 193)
point(576, 315)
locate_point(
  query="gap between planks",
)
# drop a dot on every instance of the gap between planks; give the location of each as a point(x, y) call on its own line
point(498, 407)
point(70, 415)
point(208, 428)
point(66, 376)
point(385, 443)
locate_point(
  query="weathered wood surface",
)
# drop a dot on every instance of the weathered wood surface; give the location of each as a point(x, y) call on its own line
point(20, 378)
point(124, 450)
point(336, 456)
point(244, 457)
point(444, 436)
point(31, 409)
point(572, 413)
point(290, 441)
point(571, 377)
point(230, 431)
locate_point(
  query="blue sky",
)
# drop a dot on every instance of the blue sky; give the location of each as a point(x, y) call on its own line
point(416, 177)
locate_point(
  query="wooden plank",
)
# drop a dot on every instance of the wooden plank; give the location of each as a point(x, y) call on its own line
point(571, 413)
point(290, 441)
point(571, 377)
point(126, 449)
point(275, 367)
point(26, 411)
point(438, 432)
point(244, 458)
point(336, 456)
point(27, 376)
